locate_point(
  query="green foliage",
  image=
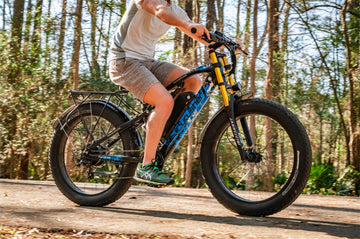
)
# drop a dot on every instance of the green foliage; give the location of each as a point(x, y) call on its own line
point(166, 56)
point(231, 183)
point(90, 82)
point(29, 102)
point(280, 179)
point(324, 179)
point(321, 178)
point(348, 183)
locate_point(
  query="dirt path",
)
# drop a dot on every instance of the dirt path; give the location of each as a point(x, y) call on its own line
point(175, 212)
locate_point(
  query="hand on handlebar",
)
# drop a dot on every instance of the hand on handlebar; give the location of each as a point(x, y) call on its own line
point(199, 30)
point(215, 37)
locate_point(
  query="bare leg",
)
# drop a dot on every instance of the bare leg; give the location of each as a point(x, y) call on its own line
point(163, 102)
point(191, 84)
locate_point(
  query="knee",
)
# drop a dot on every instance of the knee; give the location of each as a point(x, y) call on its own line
point(197, 82)
point(160, 98)
point(169, 103)
point(193, 83)
point(166, 105)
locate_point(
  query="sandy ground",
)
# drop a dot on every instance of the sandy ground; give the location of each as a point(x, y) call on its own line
point(174, 213)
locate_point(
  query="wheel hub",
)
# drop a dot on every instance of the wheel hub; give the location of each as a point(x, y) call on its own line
point(93, 155)
point(253, 156)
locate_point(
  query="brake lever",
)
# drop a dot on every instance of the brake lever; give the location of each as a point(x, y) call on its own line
point(204, 36)
point(230, 42)
point(243, 51)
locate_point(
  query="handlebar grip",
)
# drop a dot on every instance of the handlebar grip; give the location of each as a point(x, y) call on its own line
point(204, 36)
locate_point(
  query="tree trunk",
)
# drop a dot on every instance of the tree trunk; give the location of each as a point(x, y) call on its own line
point(101, 37)
point(15, 39)
point(27, 42)
point(77, 43)
point(352, 65)
point(250, 178)
point(246, 71)
point(11, 121)
point(189, 58)
point(177, 45)
point(24, 162)
point(188, 41)
point(95, 71)
point(210, 23)
point(16, 26)
point(277, 56)
point(196, 43)
point(210, 15)
point(60, 52)
point(107, 40)
point(220, 21)
point(178, 49)
point(47, 33)
point(269, 91)
point(36, 36)
point(188, 171)
point(238, 36)
point(284, 50)
point(253, 66)
point(3, 15)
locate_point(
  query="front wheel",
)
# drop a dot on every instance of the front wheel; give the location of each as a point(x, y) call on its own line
point(279, 169)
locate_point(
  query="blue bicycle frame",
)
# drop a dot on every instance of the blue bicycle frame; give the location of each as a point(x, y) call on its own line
point(181, 126)
point(217, 76)
point(186, 119)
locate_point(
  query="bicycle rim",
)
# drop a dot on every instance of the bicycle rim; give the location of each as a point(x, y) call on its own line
point(89, 177)
point(272, 169)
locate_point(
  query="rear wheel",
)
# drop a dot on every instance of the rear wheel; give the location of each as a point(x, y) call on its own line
point(279, 166)
point(82, 175)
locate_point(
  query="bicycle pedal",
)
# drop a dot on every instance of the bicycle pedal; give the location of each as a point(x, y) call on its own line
point(157, 186)
point(149, 183)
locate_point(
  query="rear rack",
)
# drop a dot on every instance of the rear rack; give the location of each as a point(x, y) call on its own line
point(121, 98)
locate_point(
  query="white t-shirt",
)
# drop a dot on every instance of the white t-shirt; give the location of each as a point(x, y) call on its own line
point(139, 31)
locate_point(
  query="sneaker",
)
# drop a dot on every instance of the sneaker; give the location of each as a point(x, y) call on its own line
point(151, 174)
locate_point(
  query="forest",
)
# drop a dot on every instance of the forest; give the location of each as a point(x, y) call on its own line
point(304, 54)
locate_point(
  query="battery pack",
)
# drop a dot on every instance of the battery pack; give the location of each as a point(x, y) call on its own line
point(180, 105)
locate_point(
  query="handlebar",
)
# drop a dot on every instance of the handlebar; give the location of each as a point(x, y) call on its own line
point(218, 39)
point(221, 39)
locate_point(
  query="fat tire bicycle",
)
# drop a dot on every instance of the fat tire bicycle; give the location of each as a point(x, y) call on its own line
point(255, 154)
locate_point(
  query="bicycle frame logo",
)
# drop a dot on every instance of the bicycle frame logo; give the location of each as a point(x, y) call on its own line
point(189, 115)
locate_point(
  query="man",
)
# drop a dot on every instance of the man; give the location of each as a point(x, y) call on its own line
point(132, 66)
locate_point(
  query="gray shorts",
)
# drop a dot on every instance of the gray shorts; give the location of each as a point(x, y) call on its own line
point(137, 76)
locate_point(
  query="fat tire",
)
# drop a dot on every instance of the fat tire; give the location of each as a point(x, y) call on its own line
point(62, 180)
point(290, 191)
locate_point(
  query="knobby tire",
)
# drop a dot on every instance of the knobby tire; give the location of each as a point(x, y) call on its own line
point(245, 187)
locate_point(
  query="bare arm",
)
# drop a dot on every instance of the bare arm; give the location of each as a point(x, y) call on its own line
point(164, 14)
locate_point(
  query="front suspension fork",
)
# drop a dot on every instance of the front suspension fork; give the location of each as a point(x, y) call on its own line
point(229, 106)
point(236, 132)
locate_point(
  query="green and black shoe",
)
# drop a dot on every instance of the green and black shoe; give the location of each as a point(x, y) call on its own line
point(151, 174)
